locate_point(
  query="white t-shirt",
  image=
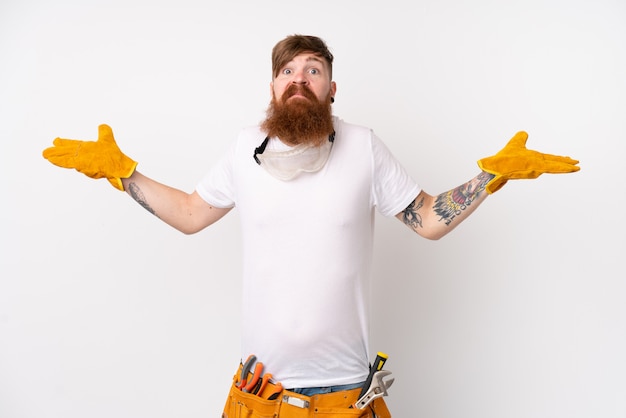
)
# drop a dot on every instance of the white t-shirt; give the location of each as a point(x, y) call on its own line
point(307, 251)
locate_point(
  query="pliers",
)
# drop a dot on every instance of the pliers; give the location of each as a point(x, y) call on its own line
point(244, 384)
point(245, 370)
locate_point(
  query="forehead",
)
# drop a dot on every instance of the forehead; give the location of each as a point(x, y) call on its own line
point(307, 57)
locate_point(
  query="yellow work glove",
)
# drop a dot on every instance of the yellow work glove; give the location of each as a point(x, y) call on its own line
point(514, 161)
point(95, 159)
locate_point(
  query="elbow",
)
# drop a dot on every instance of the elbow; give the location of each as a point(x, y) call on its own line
point(433, 235)
point(434, 232)
point(188, 230)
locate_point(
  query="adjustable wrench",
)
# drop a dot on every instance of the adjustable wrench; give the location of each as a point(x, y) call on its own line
point(377, 389)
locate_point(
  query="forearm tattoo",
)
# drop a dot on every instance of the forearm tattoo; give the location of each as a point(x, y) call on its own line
point(452, 203)
point(137, 194)
point(410, 216)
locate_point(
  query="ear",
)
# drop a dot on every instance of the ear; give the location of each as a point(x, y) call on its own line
point(333, 89)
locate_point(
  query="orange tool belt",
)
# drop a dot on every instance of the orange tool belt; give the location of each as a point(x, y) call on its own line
point(275, 402)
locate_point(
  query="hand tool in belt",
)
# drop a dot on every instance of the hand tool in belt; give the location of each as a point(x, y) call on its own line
point(277, 391)
point(258, 371)
point(378, 388)
point(374, 384)
point(245, 370)
point(378, 364)
point(266, 378)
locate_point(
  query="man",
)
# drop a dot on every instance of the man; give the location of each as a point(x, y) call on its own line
point(306, 185)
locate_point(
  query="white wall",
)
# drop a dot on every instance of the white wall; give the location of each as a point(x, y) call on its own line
point(106, 312)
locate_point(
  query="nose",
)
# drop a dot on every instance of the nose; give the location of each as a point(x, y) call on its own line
point(299, 78)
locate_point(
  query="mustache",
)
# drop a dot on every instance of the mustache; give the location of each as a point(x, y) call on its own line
point(300, 89)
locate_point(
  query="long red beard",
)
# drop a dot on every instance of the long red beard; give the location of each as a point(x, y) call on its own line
point(299, 121)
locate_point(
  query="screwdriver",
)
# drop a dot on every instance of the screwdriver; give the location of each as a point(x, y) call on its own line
point(378, 364)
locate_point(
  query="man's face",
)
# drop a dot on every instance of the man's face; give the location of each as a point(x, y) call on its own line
point(300, 111)
point(306, 70)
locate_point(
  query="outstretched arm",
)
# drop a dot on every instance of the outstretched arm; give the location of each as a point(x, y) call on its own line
point(434, 216)
point(188, 213)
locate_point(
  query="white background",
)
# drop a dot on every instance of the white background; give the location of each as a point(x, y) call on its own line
point(521, 312)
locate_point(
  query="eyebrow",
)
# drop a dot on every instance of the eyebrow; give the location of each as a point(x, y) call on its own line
point(315, 58)
point(309, 59)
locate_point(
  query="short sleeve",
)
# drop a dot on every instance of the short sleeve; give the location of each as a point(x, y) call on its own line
point(217, 186)
point(393, 187)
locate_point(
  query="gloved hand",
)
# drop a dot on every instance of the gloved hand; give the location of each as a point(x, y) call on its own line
point(514, 161)
point(98, 159)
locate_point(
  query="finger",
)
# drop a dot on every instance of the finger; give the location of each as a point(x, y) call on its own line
point(560, 159)
point(105, 134)
point(56, 152)
point(62, 142)
point(65, 147)
point(48, 152)
point(559, 167)
point(518, 140)
point(61, 161)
